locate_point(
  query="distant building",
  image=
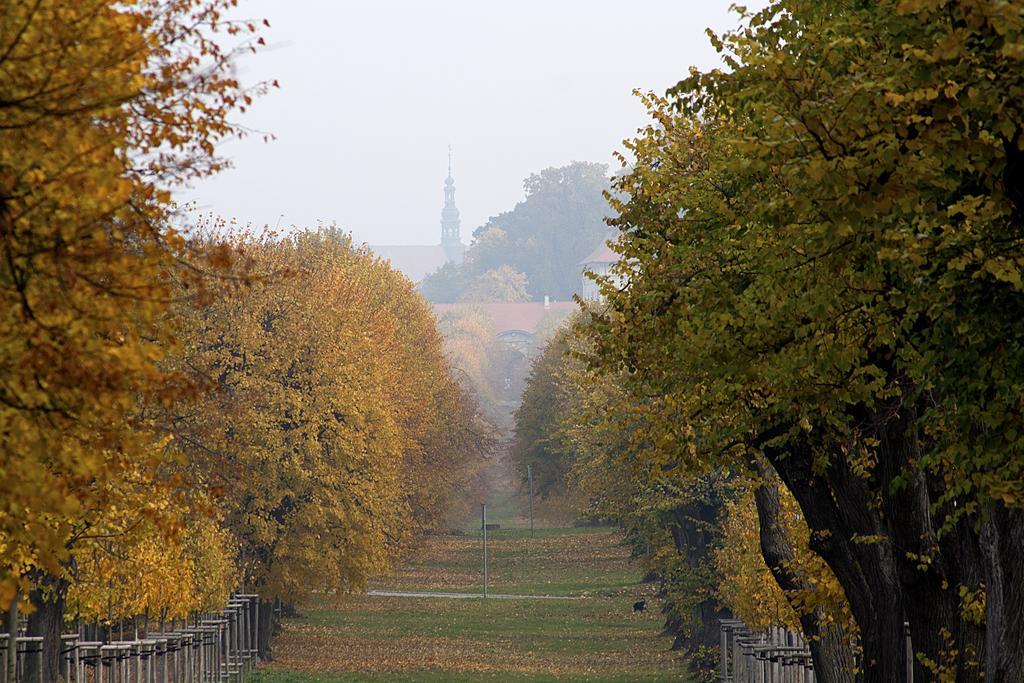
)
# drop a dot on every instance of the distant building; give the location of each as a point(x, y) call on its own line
point(451, 241)
point(521, 327)
point(600, 263)
point(517, 324)
point(416, 261)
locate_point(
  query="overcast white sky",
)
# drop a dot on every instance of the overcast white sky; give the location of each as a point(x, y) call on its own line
point(373, 92)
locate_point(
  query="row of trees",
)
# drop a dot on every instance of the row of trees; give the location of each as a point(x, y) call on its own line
point(818, 302)
point(331, 427)
point(184, 415)
point(477, 357)
point(104, 109)
point(695, 532)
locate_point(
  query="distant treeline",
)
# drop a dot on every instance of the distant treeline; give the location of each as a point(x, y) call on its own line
point(535, 249)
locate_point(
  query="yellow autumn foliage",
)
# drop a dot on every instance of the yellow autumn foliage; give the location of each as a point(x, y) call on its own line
point(328, 426)
point(332, 429)
point(107, 107)
point(130, 567)
point(747, 587)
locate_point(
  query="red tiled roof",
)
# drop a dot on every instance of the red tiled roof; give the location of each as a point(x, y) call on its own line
point(524, 316)
point(603, 254)
point(415, 261)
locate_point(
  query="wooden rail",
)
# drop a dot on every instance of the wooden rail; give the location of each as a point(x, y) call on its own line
point(776, 655)
point(213, 648)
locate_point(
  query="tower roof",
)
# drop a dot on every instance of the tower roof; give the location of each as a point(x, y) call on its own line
point(450, 221)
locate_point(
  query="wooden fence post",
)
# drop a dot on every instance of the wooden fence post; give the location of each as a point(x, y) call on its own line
point(11, 673)
point(910, 652)
point(723, 652)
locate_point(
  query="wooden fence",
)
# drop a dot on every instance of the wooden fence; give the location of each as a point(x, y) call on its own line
point(215, 648)
point(776, 655)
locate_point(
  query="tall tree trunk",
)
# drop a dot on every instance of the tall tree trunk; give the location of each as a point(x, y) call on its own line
point(931, 567)
point(832, 654)
point(876, 529)
point(47, 621)
point(265, 631)
point(839, 506)
point(1003, 549)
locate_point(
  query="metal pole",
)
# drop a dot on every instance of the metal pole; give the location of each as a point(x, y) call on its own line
point(483, 518)
point(529, 475)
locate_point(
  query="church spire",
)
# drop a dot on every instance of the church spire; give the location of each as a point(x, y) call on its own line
point(451, 241)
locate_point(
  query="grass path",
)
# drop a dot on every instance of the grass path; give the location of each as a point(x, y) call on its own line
point(376, 593)
point(377, 638)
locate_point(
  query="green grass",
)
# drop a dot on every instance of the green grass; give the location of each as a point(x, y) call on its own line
point(595, 638)
point(566, 562)
point(595, 627)
point(429, 675)
point(505, 507)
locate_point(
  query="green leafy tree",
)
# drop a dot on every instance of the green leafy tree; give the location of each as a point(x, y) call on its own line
point(582, 434)
point(538, 442)
point(444, 286)
point(823, 249)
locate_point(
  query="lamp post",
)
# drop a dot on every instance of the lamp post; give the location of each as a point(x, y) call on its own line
point(529, 475)
point(483, 523)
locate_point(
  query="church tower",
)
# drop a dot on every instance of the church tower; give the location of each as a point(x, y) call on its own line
point(451, 241)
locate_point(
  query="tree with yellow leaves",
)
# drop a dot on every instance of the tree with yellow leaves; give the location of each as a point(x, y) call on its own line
point(105, 107)
point(333, 428)
point(769, 575)
point(138, 570)
point(475, 356)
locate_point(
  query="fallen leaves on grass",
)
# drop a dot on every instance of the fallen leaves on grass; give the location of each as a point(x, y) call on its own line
point(596, 636)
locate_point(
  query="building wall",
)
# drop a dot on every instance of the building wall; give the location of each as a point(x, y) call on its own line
point(588, 288)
